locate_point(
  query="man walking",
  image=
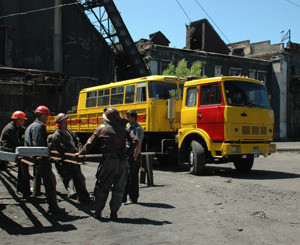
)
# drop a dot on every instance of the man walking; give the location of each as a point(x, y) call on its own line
point(11, 137)
point(64, 140)
point(134, 159)
point(36, 135)
point(110, 139)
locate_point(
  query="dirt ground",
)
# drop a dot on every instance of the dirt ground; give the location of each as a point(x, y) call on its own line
point(221, 207)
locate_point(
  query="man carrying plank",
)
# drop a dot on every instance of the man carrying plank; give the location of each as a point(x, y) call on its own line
point(65, 141)
point(36, 135)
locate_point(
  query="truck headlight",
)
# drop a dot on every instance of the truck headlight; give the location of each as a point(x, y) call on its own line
point(235, 148)
point(272, 148)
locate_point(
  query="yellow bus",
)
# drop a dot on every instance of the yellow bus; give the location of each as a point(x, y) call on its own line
point(225, 119)
point(157, 100)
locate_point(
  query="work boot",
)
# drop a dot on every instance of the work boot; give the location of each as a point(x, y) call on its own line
point(113, 216)
point(98, 215)
point(86, 200)
point(56, 210)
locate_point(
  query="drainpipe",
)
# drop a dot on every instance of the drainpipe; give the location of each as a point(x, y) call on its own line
point(57, 37)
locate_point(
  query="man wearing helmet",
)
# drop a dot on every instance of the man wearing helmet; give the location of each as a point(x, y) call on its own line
point(36, 135)
point(11, 137)
point(110, 140)
point(64, 140)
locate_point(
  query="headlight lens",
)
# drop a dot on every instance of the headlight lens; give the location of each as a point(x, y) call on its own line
point(235, 149)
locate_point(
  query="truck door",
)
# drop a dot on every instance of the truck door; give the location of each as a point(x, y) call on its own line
point(210, 112)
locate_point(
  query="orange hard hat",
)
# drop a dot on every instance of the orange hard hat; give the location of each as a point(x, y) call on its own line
point(18, 114)
point(42, 110)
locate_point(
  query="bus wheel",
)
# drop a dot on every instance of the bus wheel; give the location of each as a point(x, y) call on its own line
point(197, 158)
point(244, 165)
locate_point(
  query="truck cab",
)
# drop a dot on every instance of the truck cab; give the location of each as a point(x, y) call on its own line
point(225, 119)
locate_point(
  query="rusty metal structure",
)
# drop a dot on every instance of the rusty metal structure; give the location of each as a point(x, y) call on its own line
point(109, 23)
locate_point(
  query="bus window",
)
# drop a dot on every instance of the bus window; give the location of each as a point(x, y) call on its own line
point(129, 95)
point(117, 94)
point(103, 97)
point(191, 97)
point(160, 90)
point(141, 92)
point(181, 91)
point(210, 95)
point(91, 98)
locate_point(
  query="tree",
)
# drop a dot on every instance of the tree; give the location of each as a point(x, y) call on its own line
point(182, 69)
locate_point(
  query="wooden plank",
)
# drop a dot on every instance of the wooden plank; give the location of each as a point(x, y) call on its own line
point(27, 162)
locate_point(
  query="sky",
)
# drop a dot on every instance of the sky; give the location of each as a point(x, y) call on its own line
point(233, 20)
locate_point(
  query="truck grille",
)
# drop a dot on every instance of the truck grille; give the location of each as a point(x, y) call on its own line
point(254, 130)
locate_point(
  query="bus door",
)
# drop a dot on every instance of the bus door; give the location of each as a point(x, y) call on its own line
point(210, 112)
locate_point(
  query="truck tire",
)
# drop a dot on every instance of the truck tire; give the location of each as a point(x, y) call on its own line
point(244, 165)
point(197, 158)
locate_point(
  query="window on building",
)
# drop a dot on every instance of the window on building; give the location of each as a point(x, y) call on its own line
point(235, 71)
point(218, 71)
point(103, 97)
point(211, 94)
point(117, 94)
point(252, 74)
point(191, 97)
point(262, 76)
point(129, 95)
point(141, 92)
point(91, 99)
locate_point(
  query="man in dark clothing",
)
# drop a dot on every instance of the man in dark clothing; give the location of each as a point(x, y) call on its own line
point(36, 135)
point(134, 159)
point(11, 137)
point(64, 140)
point(110, 139)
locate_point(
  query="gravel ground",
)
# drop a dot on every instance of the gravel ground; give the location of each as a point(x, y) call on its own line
point(221, 207)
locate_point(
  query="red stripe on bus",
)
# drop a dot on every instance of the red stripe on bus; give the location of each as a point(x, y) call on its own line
point(141, 118)
point(93, 120)
point(74, 121)
point(84, 121)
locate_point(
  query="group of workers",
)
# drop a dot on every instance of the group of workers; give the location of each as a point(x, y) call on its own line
point(119, 140)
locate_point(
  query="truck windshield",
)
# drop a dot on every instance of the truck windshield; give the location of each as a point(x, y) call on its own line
point(160, 90)
point(241, 93)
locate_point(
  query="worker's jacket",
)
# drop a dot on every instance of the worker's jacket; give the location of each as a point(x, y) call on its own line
point(64, 142)
point(11, 137)
point(36, 134)
point(110, 140)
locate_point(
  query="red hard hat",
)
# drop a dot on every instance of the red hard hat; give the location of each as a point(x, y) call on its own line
point(42, 110)
point(18, 114)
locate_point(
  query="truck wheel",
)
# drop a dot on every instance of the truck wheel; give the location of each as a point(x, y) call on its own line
point(244, 165)
point(197, 158)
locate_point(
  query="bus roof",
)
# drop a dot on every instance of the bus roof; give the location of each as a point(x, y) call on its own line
point(164, 78)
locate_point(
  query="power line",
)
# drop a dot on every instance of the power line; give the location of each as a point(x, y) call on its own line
point(293, 3)
point(38, 10)
point(183, 11)
point(212, 21)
